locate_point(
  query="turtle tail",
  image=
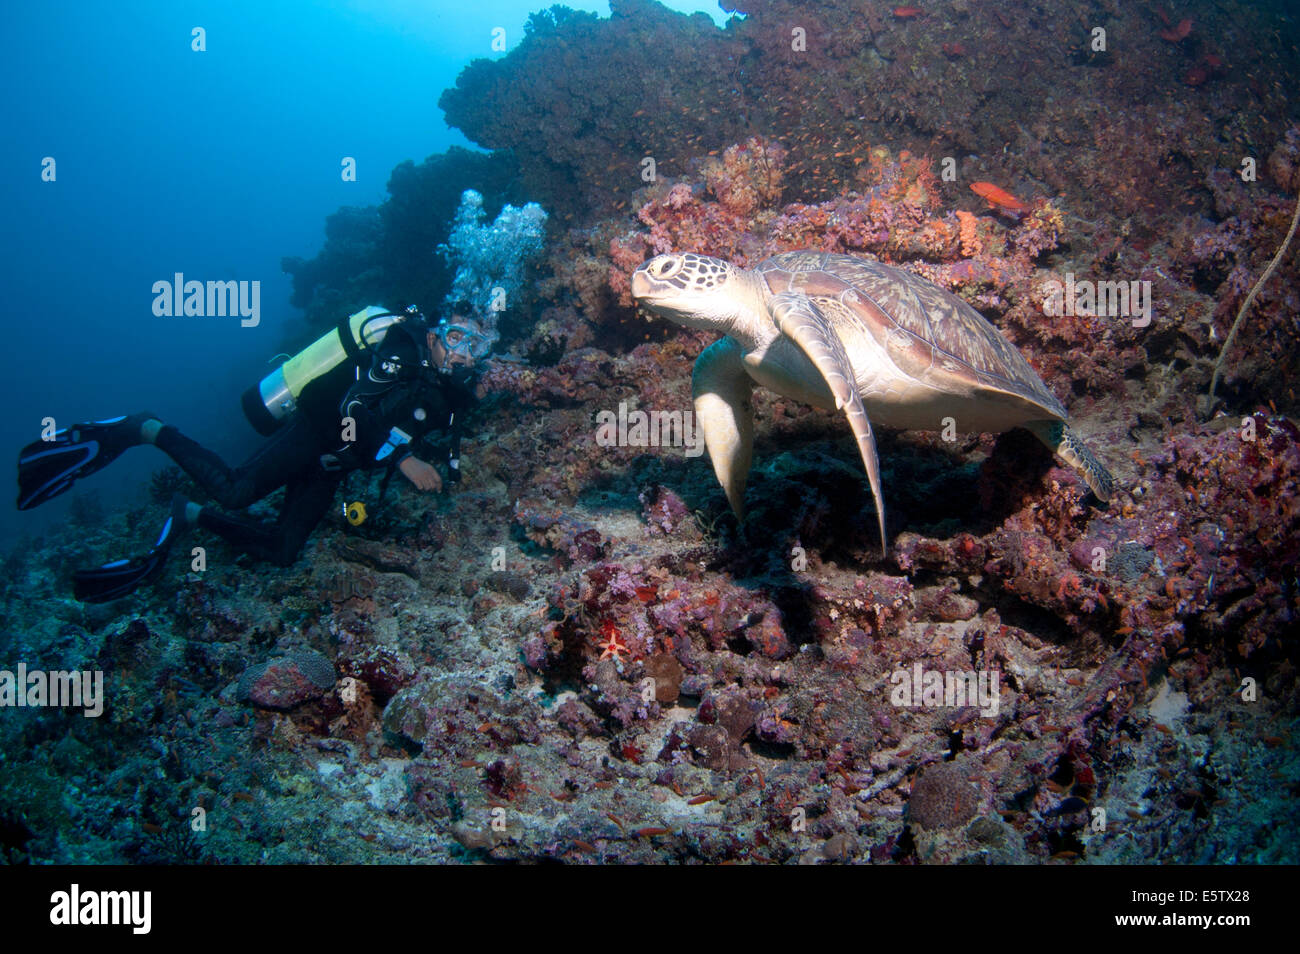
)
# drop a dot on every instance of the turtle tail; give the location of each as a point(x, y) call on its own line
point(1070, 448)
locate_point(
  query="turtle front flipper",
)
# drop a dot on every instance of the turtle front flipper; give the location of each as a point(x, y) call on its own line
point(803, 323)
point(724, 411)
point(1067, 445)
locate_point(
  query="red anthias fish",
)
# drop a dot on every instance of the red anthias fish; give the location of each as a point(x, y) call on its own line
point(907, 13)
point(1210, 66)
point(1177, 34)
point(998, 198)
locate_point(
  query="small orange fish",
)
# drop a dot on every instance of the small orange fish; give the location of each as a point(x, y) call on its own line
point(998, 198)
point(907, 13)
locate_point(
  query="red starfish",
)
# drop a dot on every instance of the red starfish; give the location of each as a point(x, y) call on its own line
point(613, 647)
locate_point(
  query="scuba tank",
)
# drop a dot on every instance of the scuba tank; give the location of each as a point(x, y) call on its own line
point(270, 402)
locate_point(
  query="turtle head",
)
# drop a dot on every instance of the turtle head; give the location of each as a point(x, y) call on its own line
point(694, 290)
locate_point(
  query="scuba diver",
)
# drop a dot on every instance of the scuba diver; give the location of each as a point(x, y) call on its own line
point(329, 411)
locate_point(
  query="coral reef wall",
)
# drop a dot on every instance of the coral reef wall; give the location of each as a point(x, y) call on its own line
point(581, 101)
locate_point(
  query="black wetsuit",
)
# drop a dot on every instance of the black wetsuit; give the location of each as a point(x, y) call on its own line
point(400, 394)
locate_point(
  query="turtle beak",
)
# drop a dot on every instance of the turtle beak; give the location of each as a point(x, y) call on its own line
point(641, 284)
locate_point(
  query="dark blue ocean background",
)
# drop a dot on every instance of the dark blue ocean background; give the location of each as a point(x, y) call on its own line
point(215, 164)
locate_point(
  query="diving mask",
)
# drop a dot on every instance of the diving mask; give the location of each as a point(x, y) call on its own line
point(463, 340)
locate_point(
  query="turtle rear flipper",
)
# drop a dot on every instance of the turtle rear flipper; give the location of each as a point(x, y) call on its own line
point(1067, 445)
point(802, 322)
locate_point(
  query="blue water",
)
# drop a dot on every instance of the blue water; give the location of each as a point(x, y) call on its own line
point(215, 164)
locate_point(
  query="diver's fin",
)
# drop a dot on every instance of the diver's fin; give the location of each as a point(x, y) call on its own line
point(121, 577)
point(801, 321)
point(49, 468)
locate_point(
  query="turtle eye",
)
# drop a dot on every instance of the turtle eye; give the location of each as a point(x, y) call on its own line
point(666, 266)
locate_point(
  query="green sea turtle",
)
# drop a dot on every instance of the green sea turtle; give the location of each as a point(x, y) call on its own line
point(847, 333)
